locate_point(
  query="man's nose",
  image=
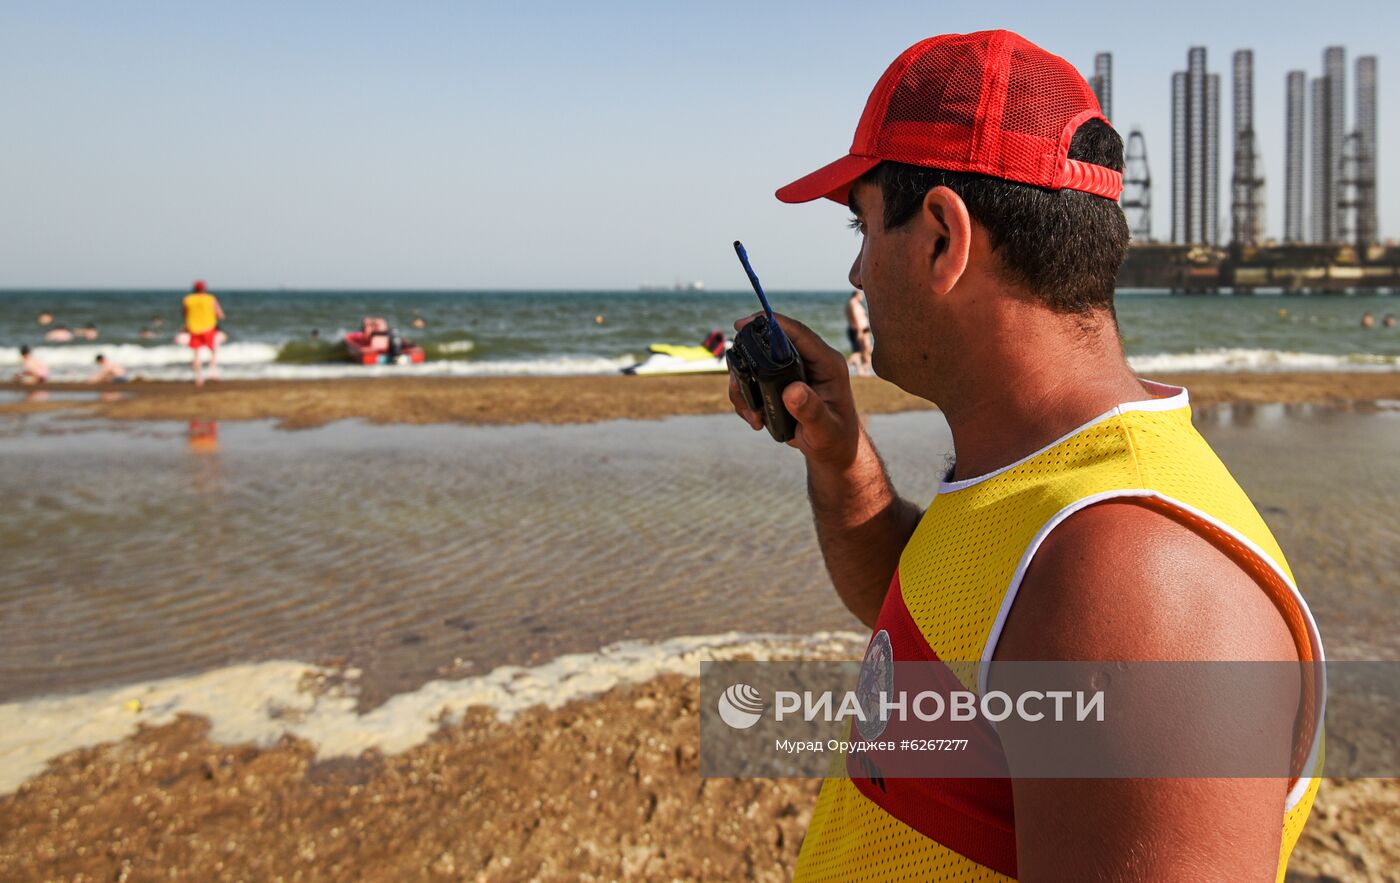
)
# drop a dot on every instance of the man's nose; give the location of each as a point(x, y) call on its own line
point(854, 276)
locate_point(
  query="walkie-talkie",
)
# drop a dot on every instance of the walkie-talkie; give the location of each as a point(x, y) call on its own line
point(763, 362)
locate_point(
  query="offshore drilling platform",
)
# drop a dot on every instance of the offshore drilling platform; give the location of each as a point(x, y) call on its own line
point(1337, 250)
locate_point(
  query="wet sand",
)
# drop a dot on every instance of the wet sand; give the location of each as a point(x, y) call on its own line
point(602, 788)
point(514, 400)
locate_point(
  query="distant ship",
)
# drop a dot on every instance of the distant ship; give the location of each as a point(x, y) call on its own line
point(696, 285)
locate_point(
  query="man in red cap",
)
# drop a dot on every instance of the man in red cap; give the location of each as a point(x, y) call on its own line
point(202, 317)
point(1083, 517)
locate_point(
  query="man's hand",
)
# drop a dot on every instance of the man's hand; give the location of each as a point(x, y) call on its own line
point(828, 429)
point(862, 524)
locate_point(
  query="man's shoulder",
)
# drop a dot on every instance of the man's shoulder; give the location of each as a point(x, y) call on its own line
point(1120, 580)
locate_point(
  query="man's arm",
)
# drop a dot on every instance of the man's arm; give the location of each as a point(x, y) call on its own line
point(862, 527)
point(218, 310)
point(1120, 581)
point(862, 524)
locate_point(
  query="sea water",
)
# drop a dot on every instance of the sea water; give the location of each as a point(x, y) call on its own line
point(136, 551)
point(599, 332)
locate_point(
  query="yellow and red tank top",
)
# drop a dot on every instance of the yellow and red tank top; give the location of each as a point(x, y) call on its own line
point(951, 595)
point(200, 315)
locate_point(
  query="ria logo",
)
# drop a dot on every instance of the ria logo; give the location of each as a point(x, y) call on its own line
point(741, 706)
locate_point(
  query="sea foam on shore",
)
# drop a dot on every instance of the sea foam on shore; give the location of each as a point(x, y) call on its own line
point(261, 702)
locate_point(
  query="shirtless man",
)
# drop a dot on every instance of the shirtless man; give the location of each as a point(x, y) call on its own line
point(31, 368)
point(858, 333)
point(108, 371)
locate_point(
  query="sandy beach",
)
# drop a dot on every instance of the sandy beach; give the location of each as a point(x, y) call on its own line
point(605, 786)
point(556, 400)
point(600, 789)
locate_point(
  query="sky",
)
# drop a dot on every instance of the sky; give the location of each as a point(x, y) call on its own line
point(528, 145)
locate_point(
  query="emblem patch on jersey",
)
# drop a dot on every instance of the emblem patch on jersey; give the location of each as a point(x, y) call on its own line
point(876, 682)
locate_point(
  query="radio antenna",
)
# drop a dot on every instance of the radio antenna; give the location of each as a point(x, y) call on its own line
point(782, 347)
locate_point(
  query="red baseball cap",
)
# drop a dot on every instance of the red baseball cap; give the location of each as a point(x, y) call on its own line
point(199, 285)
point(993, 103)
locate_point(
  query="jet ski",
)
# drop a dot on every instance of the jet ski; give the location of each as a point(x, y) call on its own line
point(671, 358)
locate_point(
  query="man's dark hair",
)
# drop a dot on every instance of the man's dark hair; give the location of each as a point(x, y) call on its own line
point(1064, 246)
point(24, 350)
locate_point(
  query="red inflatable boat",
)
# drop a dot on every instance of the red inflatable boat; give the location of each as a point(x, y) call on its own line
point(378, 344)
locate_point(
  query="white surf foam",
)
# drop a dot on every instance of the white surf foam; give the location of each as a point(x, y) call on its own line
point(1241, 360)
point(456, 346)
point(260, 702)
point(77, 359)
point(558, 367)
point(257, 361)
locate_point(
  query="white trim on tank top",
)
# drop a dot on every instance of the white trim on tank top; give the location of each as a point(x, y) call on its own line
point(1169, 399)
point(1314, 638)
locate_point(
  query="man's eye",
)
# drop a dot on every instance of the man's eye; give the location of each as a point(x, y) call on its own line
point(855, 224)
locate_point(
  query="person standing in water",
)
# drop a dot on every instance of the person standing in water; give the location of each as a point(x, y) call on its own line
point(858, 333)
point(202, 317)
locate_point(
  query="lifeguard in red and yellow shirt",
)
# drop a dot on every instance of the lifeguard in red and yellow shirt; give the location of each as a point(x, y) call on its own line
point(1083, 518)
point(202, 317)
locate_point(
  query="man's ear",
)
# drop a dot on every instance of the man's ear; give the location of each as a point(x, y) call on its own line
point(947, 234)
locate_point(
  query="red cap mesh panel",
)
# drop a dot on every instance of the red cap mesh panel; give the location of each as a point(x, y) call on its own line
point(943, 85)
point(1043, 94)
point(933, 110)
